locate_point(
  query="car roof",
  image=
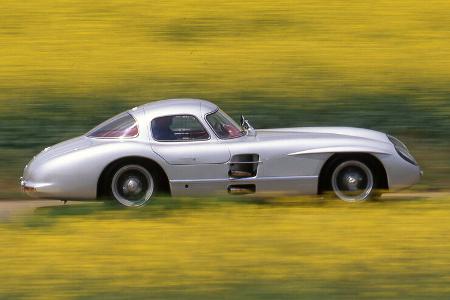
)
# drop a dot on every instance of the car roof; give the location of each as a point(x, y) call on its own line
point(195, 107)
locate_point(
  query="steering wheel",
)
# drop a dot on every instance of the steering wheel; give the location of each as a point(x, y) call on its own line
point(218, 127)
point(230, 130)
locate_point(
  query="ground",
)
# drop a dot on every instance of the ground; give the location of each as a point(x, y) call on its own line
point(246, 248)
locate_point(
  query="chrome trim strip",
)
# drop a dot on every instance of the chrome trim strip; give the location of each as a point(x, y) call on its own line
point(337, 150)
point(244, 179)
point(244, 162)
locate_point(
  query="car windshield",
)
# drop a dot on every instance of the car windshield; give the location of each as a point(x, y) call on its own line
point(121, 126)
point(224, 126)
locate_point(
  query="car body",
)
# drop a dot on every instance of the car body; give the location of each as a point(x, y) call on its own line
point(193, 148)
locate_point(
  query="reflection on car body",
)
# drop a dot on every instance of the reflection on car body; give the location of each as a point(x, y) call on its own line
point(191, 147)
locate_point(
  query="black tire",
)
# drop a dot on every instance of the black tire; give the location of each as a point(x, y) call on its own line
point(131, 185)
point(351, 179)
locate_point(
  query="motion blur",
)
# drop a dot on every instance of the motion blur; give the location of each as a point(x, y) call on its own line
point(385, 65)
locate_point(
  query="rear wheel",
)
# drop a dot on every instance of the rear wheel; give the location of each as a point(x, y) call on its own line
point(132, 185)
point(353, 181)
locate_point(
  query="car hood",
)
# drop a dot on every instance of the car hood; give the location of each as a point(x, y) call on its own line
point(321, 132)
point(313, 140)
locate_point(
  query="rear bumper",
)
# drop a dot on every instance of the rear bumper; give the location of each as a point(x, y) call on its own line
point(34, 189)
point(26, 187)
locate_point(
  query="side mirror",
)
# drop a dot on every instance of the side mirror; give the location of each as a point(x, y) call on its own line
point(245, 124)
point(242, 121)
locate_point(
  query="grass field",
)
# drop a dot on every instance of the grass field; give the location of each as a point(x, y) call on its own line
point(140, 50)
point(67, 65)
point(385, 65)
point(291, 248)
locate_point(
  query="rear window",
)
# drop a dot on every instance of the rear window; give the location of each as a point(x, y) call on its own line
point(122, 126)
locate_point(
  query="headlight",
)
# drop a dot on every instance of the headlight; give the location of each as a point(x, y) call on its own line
point(402, 150)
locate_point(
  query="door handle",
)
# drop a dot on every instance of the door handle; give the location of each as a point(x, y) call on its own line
point(189, 159)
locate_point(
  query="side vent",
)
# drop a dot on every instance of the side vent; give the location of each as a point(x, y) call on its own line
point(243, 165)
point(242, 189)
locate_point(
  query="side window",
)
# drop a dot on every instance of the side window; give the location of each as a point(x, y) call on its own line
point(178, 128)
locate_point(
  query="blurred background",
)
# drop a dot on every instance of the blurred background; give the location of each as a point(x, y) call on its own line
point(68, 65)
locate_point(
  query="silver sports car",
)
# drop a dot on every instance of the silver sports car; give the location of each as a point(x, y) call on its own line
point(191, 147)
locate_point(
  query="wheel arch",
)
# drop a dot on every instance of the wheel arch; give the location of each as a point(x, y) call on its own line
point(149, 164)
point(371, 160)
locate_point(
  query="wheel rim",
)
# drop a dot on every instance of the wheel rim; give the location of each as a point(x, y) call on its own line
point(132, 185)
point(352, 181)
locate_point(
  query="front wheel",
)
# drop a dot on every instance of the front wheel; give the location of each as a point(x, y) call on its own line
point(132, 185)
point(353, 181)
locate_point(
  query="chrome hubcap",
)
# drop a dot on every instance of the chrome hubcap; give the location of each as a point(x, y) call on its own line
point(352, 181)
point(132, 185)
